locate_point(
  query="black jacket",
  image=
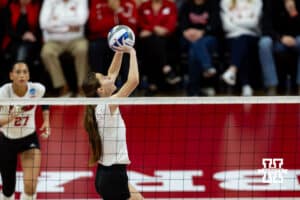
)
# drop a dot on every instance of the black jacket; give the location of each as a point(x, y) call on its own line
point(276, 21)
point(206, 17)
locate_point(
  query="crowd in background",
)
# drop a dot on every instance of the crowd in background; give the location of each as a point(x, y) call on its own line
point(201, 47)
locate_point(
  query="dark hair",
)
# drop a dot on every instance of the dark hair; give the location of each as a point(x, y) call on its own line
point(90, 86)
point(18, 63)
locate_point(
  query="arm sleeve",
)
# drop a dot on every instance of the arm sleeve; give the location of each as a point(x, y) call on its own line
point(143, 24)
point(225, 15)
point(214, 25)
point(4, 91)
point(8, 25)
point(183, 18)
point(4, 110)
point(251, 22)
point(172, 20)
point(38, 90)
point(46, 19)
point(81, 15)
point(129, 15)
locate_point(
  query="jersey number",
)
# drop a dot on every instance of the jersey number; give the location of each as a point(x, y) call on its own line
point(21, 121)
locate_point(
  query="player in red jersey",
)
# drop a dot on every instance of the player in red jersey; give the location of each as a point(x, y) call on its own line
point(18, 134)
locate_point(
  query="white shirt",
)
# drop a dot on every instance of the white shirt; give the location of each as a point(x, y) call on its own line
point(112, 132)
point(244, 19)
point(24, 124)
point(57, 16)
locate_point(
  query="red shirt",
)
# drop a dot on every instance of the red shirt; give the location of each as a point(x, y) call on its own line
point(3, 3)
point(166, 16)
point(32, 9)
point(102, 18)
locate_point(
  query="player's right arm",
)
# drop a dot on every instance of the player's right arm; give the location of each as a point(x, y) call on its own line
point(6, 116)
point(114, 68)
point(133, 74)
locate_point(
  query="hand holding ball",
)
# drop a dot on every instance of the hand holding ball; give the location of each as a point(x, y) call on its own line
point(119, 34)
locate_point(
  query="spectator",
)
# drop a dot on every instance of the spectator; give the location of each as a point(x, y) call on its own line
point(62, 23)
point(157, 23)
point(2, 25)
point(22, 34)
point(196, 24)
point(4, 70)
point(282, 36)
point(241, 20)
point(104, 15)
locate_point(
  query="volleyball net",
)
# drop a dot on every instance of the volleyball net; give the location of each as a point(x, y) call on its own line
point(179, 147)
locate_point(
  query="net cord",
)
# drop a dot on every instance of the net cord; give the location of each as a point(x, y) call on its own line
point(153, 100)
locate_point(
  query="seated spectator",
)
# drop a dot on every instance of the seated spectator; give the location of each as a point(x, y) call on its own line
point(196, 26)
point(157, 23)
point(3, 4)
point(103, 16)
point(63, 23)
point(22, 34)
point(4, 70)
point(241, 20)
point(282, 36)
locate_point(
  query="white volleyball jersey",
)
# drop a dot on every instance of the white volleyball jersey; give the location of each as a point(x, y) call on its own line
point(24, 124)
point(112, 132)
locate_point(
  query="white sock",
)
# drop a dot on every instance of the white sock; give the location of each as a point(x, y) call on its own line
point(3, 197)
point(24, 196)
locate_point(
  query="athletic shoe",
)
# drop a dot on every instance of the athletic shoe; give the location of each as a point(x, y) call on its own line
point(229, 77)
point(210, 72)
point(172, 78)
point(247, 90)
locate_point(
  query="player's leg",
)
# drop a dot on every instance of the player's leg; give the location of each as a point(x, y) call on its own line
point(8, 167)
point(134, 194)
point(8, 175)
point(31, 161)
point(112, 182)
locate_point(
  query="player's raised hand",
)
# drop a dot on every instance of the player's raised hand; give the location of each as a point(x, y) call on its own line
point(125, 47)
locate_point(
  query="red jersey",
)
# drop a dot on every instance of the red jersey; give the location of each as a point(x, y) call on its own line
point(102, 18)
point(166, 16)
point(3, 3)
point(33, 10)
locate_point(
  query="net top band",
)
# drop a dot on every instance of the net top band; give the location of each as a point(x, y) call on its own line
point(153, 100)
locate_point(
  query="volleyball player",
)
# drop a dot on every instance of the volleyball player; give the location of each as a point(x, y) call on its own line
point(106, 128)
point(18, 134)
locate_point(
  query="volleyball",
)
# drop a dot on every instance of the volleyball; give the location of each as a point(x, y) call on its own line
point(120, 33)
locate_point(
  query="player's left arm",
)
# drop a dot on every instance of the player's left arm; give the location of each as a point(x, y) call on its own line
point(45, 128)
